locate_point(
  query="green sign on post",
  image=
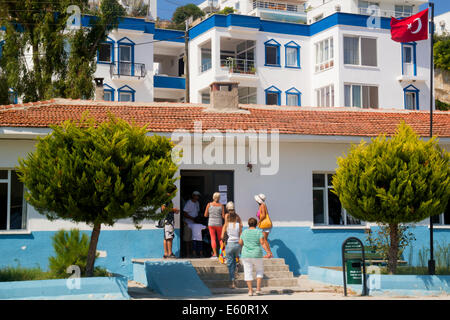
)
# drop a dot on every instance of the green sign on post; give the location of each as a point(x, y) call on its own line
point(354, 274)
point(353, 263)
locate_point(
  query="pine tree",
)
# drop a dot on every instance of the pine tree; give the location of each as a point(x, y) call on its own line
point(98, 173)
point(71, 248)
point(401, 179)
point(41, 58)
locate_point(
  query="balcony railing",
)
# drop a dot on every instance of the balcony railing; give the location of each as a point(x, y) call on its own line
point(244, 66)
point(128, 69)
point(277, 6)
point(384, 13)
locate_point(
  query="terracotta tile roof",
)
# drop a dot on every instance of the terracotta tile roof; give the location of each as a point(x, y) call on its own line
point(167, 117)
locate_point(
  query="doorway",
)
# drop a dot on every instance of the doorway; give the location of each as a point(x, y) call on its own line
point(206, 182)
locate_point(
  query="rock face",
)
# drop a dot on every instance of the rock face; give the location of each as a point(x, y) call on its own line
point(442, 85)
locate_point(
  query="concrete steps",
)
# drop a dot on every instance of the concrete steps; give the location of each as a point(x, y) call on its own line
point(215, 275)
point(240, 275)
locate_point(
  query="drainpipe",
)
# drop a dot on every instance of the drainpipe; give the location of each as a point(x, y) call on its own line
point(186, 61)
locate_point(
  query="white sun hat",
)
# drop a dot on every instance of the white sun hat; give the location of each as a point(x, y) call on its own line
point(260, 198)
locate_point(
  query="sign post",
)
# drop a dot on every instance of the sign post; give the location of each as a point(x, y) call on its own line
point(353, 264)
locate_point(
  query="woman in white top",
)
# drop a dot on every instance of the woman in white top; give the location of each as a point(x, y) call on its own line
point(233, 228)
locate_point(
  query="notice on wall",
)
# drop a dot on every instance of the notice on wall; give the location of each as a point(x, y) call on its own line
point(223, 188)
point(223, 198)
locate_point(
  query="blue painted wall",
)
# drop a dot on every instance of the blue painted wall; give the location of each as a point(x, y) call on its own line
point(299, 246)
point(121, 246)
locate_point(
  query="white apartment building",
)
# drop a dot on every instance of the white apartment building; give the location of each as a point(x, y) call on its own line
point(339, 60)
point(345, 58)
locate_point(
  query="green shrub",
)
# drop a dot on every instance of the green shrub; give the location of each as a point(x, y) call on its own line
point(442, 106)
point(22, 274)
point(71, 248)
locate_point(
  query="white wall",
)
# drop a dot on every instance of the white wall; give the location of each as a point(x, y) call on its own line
point(289, 192)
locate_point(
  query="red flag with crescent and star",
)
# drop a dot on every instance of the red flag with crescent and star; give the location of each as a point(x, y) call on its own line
point(413, 28)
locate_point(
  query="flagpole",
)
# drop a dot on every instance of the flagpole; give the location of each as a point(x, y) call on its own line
point(431, 262)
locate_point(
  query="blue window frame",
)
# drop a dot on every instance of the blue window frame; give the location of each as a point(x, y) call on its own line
point(105, 55)
point(272, 53)
point(126, 93)
point(292, 55)
point(125, 56)
point(293, 97)
point(409, 57)
point(108, 92)
point(273, 96)
point(12, 96)
point(411, 97)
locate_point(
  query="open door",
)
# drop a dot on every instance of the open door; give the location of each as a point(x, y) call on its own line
point(206, 182)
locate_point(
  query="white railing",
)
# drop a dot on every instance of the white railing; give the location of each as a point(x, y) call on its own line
point(384, 13)
point(239, 65)
point(277, 6)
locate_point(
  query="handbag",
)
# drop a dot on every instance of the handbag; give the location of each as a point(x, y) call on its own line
point(225, 238)
point(266, 223)
point(161, 223)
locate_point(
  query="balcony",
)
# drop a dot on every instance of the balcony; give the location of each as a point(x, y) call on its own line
point(240, 66)
point(278, 6)
point(127, 69)
point(285, 12)
point(384, 13)
point(169, 82)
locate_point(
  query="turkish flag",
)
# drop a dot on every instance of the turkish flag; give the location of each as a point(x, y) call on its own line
point(409, 29)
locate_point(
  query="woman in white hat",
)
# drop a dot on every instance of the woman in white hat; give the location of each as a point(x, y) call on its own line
point(264, 222)
point(233, 229)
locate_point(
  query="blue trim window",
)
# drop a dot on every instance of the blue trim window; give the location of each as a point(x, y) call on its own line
point(12, 96)
point(272, 53)
point(105, 52)
point(126, 94)
point(409, 63)
point(411, 97)
point(292, 55)
point(125, 57)
point(293, 97)
point(108, 92)
point(273, 96)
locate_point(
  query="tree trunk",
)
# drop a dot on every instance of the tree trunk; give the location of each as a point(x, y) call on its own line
point(92, 250)
point(393, 248)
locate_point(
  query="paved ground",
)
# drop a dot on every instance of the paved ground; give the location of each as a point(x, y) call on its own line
point(307, 290)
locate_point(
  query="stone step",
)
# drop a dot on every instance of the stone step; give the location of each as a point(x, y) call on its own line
point(221, 268)
point(215, 262)
point(288, 282)
point(240, 275)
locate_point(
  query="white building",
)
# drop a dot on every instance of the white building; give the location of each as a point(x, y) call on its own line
point(442, 24)
point(337, 61)
point(319, 9)
point(345, 58)
point(309, 222)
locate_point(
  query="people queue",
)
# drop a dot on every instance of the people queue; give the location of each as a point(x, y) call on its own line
point(226, 232)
